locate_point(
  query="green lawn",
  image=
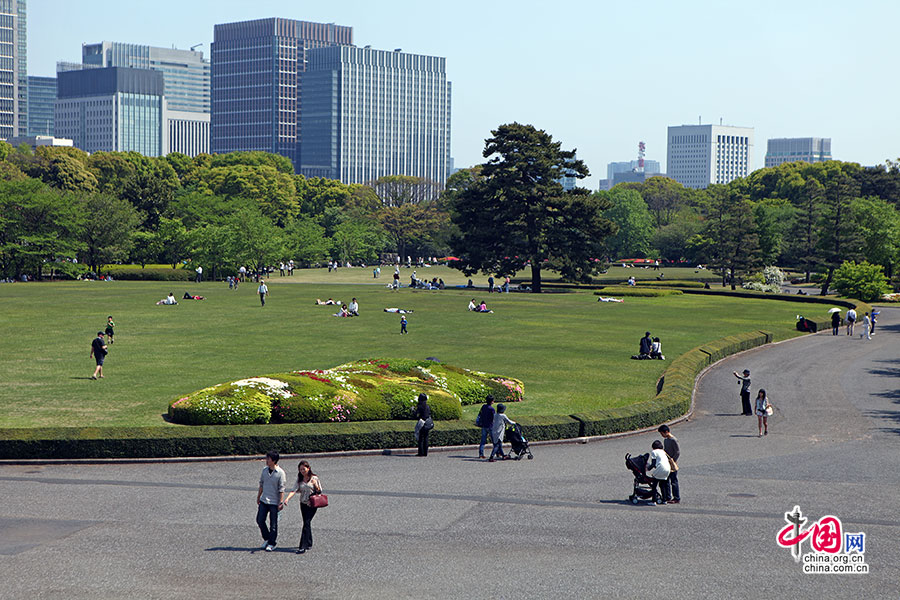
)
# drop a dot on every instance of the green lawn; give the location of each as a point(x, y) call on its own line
point(571, 351)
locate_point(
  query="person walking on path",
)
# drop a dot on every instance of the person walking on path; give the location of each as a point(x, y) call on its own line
point(98, 352)
point(835, 322)
point(745, 391)
point(110, 332)
point(403, 325)
point(307, 485)
point(866, 327)
point(424, 424)
point(851, 319)
point(670, 446)
point(875, 314)
point(498, 431)
point(270, 500)
point(199, 271)
point(762, 412)
point(485, 420)
point(263, 291)
point(658, 470)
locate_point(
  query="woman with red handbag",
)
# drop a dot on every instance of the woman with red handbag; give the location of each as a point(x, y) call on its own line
point(308, 486)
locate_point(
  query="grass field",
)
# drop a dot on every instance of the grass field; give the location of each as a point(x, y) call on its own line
point(571, 351)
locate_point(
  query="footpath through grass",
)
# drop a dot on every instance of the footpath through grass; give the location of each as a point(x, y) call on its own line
point(571, 351)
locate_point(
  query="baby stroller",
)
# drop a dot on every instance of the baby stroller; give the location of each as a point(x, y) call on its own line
point(517, 442)
point(642, 490)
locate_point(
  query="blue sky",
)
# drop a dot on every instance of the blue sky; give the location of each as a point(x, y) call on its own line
point(598, 76)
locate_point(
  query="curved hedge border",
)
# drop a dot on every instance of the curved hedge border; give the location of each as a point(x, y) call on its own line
point(672, 401)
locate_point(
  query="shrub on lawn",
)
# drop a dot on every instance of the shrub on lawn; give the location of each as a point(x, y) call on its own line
point(368, 390)
point(150, 274)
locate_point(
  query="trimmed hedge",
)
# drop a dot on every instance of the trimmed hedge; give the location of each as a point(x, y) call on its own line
point(150, 274)
point(640, 292)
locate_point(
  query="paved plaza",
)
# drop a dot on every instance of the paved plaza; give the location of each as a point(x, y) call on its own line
point(450, 526)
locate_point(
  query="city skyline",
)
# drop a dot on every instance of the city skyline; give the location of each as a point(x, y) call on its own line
point(597, 78)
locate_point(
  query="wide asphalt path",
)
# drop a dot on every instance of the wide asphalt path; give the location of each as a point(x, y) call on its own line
point(450, 526)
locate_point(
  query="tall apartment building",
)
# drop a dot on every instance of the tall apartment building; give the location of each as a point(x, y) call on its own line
point(256, 67)
point(112, 109)
point(13, 68)
point(369, 113)
point(41, 105)
point(699, 155)
point(186, 78)
point(811, 150)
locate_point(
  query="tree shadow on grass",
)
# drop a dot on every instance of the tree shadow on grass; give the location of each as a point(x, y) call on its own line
point(889, 417)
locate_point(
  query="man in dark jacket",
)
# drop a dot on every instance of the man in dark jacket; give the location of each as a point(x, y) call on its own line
point(646, 345)
point(670, 445)
point(486, 421)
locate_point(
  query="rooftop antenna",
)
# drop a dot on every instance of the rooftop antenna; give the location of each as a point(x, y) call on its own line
point(700, 120)
point(641, 148)
point(195, 46)
point(720, 120)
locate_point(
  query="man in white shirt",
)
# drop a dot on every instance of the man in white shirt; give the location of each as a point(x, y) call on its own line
point(353, 309)
point(851, 319)
point(270, 499)
point(263, 291)
point(199, 271)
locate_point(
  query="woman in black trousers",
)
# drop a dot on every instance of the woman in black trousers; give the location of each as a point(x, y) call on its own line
point(307, 485)
point(424, 425)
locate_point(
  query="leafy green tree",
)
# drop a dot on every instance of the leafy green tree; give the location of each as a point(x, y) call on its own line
point(515, 214)
point(879, 223)
point(671, 241)
point(356, 240)
point(862, 281)
point(578, 240)
point(774, 219)
point(258, 242)
point(805, 231)
point(111, 170)
point(398, 190)
point(37, 224)
point(839, 234)
point(305, 241)
point(253, 158)
point(108, 232)
point(635, 225)
point(213, 246)
point(731, 227)
point(145, 248)
point(173, 241)
point(410, 224)
point(317, 194)
point(274, 191)
point(665, 197)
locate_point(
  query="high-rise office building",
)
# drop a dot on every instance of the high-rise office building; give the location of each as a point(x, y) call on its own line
point(256, 67)
point(13, 69)
point(651, 167)
point(369, 113)
point(699, 155)
point(113, 109)
point(186, 77)
point(41, 105)
point(811, 150)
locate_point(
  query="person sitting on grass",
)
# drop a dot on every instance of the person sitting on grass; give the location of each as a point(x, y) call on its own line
point(343, 312)
point(482, 308)
point(472, 305)
point(645, 347)
point(353, 308)
point(168, 300)
point(656, 350)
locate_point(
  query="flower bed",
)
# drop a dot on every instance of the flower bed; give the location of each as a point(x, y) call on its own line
point(366, 390)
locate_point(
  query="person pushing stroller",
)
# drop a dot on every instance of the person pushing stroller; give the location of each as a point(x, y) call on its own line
point(497, 431)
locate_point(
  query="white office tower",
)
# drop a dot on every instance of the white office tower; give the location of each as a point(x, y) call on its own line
point(699, 155)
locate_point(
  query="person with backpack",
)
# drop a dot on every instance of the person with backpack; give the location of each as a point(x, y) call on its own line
point(485, 420)
point(424, 424)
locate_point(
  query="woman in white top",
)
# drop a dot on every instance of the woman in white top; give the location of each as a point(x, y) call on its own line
point(658, 470)
point(762, 414)
point(307, 485)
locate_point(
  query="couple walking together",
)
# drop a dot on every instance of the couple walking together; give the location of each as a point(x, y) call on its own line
point(271, 499)
point(493, 422)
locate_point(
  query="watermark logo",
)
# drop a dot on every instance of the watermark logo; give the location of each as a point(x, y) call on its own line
point(830, 548)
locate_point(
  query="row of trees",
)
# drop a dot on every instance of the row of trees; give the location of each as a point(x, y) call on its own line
point(243, 208)
point(498, 217)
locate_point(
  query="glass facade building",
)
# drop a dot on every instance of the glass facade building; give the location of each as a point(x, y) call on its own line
point(185, 73)
point(113, 109)
point(256, 67)
point(370, 113)
point(811, 150)
point(41, 102)
point(13, 69)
